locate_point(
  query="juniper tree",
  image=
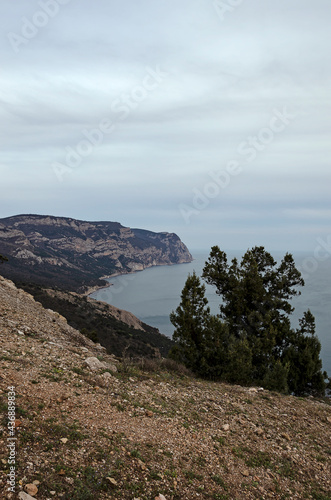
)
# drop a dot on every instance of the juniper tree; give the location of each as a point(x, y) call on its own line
point(302, 354)
point(202, 340)
point(255, 306)
point(190, 321)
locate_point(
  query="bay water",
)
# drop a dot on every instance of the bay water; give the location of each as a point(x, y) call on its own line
point(152, 294)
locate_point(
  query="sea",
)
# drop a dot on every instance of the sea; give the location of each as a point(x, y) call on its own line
point(154, 293)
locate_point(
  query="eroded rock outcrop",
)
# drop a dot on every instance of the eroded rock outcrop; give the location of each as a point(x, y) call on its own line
point(74, 254)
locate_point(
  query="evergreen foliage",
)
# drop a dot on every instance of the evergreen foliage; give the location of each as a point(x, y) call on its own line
point(191, 321)
point(3, 259)
point(93, 320)
point(251, 340)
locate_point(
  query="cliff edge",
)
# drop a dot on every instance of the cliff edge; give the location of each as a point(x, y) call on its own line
point(74, 254)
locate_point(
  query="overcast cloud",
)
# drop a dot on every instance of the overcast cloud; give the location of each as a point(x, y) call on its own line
point(208, 119)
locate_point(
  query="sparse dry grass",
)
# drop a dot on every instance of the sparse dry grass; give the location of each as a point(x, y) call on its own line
point(150, 428)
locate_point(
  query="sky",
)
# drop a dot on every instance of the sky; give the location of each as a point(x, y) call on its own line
point(207, 118)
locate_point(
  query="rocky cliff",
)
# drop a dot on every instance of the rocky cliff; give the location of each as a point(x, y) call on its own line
point(74, 254)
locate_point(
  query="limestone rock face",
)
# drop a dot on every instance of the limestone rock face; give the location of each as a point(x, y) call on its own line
point(74, 254)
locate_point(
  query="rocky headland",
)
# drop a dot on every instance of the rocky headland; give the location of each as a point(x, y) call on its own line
point(73, 255)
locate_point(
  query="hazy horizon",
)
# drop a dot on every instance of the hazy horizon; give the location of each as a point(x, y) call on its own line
point(207, 119)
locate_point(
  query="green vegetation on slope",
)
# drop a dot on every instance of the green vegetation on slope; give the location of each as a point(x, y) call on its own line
point(251, 341)
point(94, 320)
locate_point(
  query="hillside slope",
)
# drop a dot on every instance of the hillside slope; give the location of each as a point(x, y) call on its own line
point(117, 330)
point(74, 254)
point(121, 432)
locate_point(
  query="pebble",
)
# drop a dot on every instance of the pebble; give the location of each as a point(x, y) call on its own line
point(25, 496)
point(112, 481)
point(225, 427)
point(31, 489)
point(142, 465)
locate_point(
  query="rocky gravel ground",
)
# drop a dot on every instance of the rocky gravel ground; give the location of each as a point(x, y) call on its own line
point(88, 426)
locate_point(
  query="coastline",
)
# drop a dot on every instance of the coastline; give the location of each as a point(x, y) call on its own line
point(95, 288)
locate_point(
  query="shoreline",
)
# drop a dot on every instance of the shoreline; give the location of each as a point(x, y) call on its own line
point(95, 288)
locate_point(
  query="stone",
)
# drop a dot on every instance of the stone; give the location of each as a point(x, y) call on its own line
point(142, 465)
point(100, 347)
point(112, 368)
point(64, 440)
point(245, 473)
point(112, 481)
point(160, 497)
point(225, 427)
point(31, 489)
point(95, 365)
point(25, 496)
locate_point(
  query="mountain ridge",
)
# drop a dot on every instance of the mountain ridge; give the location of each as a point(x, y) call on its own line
point(74, 254)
